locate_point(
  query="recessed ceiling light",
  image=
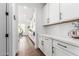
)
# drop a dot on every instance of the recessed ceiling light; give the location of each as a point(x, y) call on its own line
point(25, 7)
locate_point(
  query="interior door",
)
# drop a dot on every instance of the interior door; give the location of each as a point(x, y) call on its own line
point(2, 29)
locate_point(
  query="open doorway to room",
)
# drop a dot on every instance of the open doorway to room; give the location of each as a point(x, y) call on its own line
point(26, 30)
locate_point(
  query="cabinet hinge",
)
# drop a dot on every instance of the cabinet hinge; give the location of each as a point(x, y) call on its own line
point(6, 35)
point(6, 13)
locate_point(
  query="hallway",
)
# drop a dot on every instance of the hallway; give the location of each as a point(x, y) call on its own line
point(26, 48)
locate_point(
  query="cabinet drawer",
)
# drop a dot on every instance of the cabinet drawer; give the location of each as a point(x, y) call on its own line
point(69, 48)
point(48, 41)
point(60, 52)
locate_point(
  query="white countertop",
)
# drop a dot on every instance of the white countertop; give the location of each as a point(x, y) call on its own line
point(71, 41)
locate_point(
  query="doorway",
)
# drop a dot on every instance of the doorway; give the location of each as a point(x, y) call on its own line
point(26, 27)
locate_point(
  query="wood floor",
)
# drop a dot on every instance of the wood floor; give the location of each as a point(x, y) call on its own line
point(26, 48)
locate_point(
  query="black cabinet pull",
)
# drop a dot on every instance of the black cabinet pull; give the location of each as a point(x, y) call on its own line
point(61, 45)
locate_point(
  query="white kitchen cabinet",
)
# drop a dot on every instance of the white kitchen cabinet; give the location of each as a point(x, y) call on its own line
point(48, 47)
point(47, 50)
point(60, 52)
point(41, 43)
point(46, 13)
point(63, 49)
point(52, 47)
point(53, 12)
point(45, 45)
point(69, 11)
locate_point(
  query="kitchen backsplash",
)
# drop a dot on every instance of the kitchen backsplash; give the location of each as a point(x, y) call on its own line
point(60, 30)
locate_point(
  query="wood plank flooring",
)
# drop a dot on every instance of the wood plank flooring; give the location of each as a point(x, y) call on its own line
point(26, 48)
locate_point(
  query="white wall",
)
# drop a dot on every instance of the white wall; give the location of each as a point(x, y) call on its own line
point(32, 27)
point(33, 22)
point(13, 36)
point(14, 30)
point(60, 30)
point(39, 24)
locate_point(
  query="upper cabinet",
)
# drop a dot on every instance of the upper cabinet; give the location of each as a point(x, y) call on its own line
point(51, 13)
point(54, 13)
point(46, 13)
point(69, 11)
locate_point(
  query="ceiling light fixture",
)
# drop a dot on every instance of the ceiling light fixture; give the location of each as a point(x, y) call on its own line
point(25, 7)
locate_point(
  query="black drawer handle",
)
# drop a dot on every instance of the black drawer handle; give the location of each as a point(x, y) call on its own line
point(61, 45)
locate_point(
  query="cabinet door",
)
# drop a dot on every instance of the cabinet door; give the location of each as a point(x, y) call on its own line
point(48, 46)
point(61, 49)
point(46, 13)
point(53, 12)
point(60, 52)
point(47, 49)
point(69, 11)
point(41, 43)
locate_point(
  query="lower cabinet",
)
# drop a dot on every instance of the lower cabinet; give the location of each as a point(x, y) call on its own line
point(45, 45)
point(48, 47)
point(60, 52)
point(41, 43)
point(52, 47)
point(63, 49)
